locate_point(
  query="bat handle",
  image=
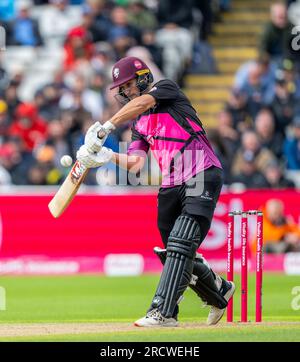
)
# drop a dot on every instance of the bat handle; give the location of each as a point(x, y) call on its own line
point(101, 134)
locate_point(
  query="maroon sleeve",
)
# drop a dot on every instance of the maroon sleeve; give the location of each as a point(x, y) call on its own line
point(139, 146)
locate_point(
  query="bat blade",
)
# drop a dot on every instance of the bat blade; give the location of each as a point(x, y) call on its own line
point(67, 190)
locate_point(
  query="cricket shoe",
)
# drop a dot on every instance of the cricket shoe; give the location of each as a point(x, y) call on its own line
point(155, 319)
point(227, 290)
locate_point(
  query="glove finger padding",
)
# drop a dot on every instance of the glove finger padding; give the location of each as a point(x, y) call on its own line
point(104, 156)
point(92, 142)
point(94, 127)
point(94, 160)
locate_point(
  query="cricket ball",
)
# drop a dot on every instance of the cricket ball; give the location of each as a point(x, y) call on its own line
point(66, 161)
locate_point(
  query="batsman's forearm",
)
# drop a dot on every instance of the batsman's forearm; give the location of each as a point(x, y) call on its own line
point(129, 112)
point(133, 109)
point(130, 163)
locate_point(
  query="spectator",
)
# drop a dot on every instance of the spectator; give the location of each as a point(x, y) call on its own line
point(175, 12)
point(280, 234)
point(275, 178)
point(74, 122)
point(265, 129)
point(42, 171)
point(98, 84)
point(177, 45)
point(139, 16)
point(57, 138)
point(57, 20)
point(229, 135)
point(143, 54)
point(5, 178)
point(121, 34)
point(18, 76)
point(205, 7)
point(251, 149)
point(4, 120)
point(225, 5)
point(7, 10)
point(112, 106)
point(78, 48)
point(121, 42)
point(59, 82)
point(5, 155)
point(249, 174)
point(101, 23)
point(24, 30)
point(46, 101)
point(89, 23)
point(175, 37)
point(44, 156)
point(15, 161)
point(102, 60)
point(39, 102)
point(47, 98)
point(219, 147)
point(284, 103)
point(120, 26)
point(4, 79)
point(291, 76)
point(292, 146)
point(37, 175)
point(257, 93)
point(7, 29)
point(11, 98)
point(266, 70)
point(28, 126)
point(148, 41)
point(236, 105)
point(82, 97)
point(276, 37)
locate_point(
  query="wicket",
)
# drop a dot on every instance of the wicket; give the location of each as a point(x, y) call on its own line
point(244, 262)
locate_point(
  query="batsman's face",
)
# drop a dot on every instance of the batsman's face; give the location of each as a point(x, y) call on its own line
point(130, 89)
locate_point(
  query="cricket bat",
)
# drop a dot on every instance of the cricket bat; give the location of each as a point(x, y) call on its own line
point(68, 189)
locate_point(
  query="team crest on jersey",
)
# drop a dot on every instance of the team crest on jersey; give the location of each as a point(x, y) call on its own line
point(150, 140)
point(158, 131)
point(116, 72)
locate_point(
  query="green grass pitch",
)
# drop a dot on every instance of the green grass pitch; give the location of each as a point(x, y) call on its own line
point(100, 308)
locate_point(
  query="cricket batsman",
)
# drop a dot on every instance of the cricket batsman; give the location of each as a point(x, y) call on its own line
point(167, 124)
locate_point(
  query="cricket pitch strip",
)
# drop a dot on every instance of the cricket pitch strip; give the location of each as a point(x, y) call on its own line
point(48, 329)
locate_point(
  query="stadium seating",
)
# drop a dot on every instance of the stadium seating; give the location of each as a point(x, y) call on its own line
point(234, 42)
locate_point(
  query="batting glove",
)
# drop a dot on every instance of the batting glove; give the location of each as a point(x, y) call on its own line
point(90, 160)
point(96, 136)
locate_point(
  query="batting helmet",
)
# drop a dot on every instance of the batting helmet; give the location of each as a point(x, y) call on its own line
point(130, 68)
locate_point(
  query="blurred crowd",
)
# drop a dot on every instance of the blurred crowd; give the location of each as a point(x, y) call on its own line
point(93, 35)
point(258, 132)
point(281, 234)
